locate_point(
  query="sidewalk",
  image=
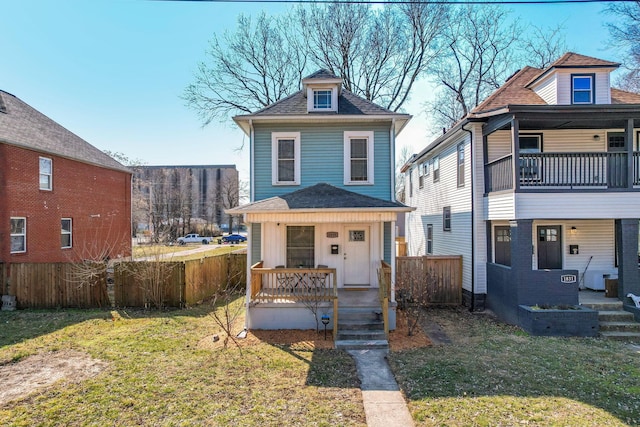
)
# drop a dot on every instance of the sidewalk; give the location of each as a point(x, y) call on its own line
point(384, 405)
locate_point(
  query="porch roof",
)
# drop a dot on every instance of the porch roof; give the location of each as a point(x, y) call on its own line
point(320, 196)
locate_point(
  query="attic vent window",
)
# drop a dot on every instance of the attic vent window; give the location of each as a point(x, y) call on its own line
point(582, 89)
point(322, 99)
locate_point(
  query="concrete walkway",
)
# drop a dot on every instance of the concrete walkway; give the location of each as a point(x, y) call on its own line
point(384, 405)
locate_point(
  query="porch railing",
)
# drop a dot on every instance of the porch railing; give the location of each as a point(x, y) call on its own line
point(564, 170)
point(384, 293)
point(287, 285)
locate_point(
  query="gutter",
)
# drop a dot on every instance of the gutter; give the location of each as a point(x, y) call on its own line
point(473, 221)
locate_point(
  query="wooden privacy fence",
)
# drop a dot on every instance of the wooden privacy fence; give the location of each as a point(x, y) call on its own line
point(175, 284)
point(440, 277)
point(56, 285)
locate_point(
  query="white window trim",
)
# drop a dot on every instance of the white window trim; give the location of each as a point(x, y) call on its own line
point(23, 234)
point(275, 136)
point(334, 98)
point(591, 91)
point(348, 135)
point(50, 188)
point(70, 232)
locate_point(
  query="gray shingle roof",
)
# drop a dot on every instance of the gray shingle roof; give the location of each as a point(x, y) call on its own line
point(24, 126)
point(319, 196)
point(321, 74)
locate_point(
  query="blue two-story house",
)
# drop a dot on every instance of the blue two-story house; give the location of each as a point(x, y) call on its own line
point(322, 215)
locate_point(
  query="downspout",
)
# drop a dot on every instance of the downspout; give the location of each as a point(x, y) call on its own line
point(392, 237)
point(392, 154)
point(473, 222)
point(247, 319)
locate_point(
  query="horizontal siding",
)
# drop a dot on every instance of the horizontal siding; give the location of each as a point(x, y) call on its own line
point(601, 205)
point(500, 206)
point(318, 217)
point(322, 158)
point(498, 144)
point(547, 90)
point(602, 85)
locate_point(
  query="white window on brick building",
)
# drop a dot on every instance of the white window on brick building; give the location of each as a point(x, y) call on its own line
point(66, 240)
point(46, 174)
point(18, 235)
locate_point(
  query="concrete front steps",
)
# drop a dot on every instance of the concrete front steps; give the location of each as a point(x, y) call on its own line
point(615, 323)
point(361, 328)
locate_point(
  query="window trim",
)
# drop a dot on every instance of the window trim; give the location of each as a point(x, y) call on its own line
point(275, 137)
point(460, 166)
point(420, 176)
point(446, 218)
point(311, 90)
point(429, 240)
point(592, 91)
point(426, 167)
point(436, 169)
point(40, 174)
point(69, 233)
point(312, 247)
point(369, 136)
point(23, 234)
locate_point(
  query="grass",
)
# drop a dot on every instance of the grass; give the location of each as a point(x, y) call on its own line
point(173, 253)
point(493, 374)
point(160, 374)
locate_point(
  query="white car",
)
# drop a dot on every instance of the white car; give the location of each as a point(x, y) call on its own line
point(194, 238)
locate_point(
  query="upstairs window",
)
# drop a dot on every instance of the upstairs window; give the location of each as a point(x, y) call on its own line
point(18, 235)
point(425, 167)
point(358, 155)
point(285, 148)
point(65, 234)
point(46, 174)
point(460, 165)
point(582, 89)
point(322, 99)
point(446, 218)
point(436, 169)
point(421, 176)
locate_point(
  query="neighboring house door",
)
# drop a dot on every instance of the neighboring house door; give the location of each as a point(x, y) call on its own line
point(357, 256)
point(617, 163)
point(549, 247)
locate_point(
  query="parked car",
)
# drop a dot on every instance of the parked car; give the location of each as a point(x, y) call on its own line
point(233, 238)
point(194, 238)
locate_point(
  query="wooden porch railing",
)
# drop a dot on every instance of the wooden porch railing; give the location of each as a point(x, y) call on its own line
point(384, 292)
point(564, 170)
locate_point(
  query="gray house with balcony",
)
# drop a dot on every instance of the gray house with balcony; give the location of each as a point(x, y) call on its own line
point(538, 188)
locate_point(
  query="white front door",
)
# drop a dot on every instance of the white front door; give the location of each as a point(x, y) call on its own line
point(357, 256)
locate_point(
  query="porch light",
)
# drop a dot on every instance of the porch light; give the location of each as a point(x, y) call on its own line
point(596, 137)
point(573, 230)
point(325, 322)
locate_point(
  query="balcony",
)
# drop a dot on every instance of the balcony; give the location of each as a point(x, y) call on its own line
point(573, 171)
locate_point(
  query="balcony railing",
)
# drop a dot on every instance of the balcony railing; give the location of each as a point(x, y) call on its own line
point(564, 170)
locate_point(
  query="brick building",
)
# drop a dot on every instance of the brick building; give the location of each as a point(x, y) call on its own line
point(61, 199)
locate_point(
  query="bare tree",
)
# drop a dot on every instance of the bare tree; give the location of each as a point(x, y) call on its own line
point(625, 33)
point(480, 44)
point(231, 191)
point(227, 316)
point(543, 46)
point(257, 65)
point(405, 155)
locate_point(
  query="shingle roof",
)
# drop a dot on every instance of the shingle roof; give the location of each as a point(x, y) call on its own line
point(348, 104)
point(24, 126)
point(321, 74)
point(623, 97)
point(513, 92)
point(319, 196)
point(571, 59)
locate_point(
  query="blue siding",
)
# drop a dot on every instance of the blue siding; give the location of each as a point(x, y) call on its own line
point(256, 243)
point(388, 244)
point(322, 158)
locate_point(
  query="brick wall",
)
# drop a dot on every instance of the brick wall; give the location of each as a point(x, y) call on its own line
point(98, 201)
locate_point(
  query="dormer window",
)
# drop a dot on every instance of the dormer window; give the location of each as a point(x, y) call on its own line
point(322, 99)
point(582, 89)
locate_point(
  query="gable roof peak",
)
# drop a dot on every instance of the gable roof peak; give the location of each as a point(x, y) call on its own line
point(322, 74)
point(572, 59)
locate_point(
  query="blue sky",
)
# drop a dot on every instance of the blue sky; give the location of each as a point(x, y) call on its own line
point(112, 71)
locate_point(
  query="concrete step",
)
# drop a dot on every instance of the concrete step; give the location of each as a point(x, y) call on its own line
point(605, 306)
point(620, 326)
point(360, 325)
point(615, 316)
point(362, 344)
point(349, 335)
point(621, 336)
point(360, 313)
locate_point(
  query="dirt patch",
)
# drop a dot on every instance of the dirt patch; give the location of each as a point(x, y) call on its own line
point(41, 370)
point(310, 340)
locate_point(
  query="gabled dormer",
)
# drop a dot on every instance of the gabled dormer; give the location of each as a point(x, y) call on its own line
point(322, 89)
point(575, 80)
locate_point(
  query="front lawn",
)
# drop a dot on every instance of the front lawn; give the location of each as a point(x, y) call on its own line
point(163, 369)
point(494, 374)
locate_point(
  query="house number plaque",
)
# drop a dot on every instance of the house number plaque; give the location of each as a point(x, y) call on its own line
point(332, 234)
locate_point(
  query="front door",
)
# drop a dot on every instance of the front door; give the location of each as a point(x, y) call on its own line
point(549, 248)
point(357, 256)
point(617, 163)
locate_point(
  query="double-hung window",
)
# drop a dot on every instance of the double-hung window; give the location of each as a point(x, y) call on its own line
point(420, 176)
point(358, 158)
point(66, 240)
point(46, 174)
point(429, 239)
point(529, 146)
point(461, 165)
point(436, 169)
point(582, 89)
point(300, 246)
point(446, 218)
point(285, 149)
point(18, 235)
